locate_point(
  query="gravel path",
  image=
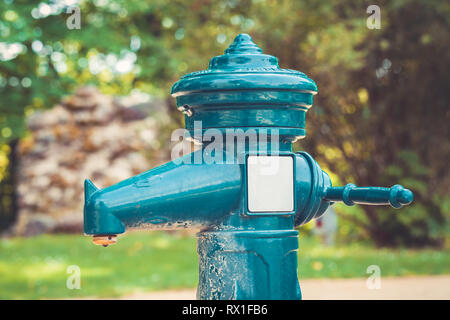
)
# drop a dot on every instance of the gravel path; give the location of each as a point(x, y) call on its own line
point(420, 287)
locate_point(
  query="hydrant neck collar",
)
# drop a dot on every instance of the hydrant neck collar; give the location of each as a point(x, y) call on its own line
point(245, 88)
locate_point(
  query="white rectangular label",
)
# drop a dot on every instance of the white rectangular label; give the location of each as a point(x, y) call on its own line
point(270, 183)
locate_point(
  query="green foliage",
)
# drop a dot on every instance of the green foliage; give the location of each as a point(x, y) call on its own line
point(424, 223)
point(384, 122)
point(36, 268)
point(8, 197)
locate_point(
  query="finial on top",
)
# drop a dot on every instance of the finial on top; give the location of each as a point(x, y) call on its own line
point(243, 44)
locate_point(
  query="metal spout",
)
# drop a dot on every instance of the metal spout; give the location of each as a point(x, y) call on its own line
point(175, 195)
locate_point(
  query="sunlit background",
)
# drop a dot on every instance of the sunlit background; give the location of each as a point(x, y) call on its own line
point(92, 101)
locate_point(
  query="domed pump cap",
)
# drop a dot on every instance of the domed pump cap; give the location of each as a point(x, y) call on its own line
point(244, 88)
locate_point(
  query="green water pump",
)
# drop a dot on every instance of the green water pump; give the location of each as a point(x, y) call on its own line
point(244, 189)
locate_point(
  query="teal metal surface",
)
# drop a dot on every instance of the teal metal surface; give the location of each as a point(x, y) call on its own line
point(242, 254)
point(167, 197)
point(245, 88)
point(397, 196)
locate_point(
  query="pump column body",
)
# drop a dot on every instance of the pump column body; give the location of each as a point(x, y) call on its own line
point(253, 255)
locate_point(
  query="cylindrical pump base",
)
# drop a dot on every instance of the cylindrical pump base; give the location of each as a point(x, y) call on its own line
point(248, 265)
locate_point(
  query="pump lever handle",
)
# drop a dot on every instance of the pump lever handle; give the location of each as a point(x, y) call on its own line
point(396, 196)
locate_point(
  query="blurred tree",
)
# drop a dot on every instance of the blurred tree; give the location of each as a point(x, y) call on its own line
point(382, 110)
point(8, 201)
point(387, 121)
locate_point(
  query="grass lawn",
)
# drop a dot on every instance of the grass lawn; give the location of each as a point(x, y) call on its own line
point(36, 268)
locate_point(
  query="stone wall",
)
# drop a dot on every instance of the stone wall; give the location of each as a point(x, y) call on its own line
point(89, 135)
